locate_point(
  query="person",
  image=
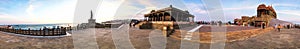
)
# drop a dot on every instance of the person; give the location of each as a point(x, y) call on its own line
point(263, 26)
point(130, 24)
point(45, 29)
point(10, 27)
point(288, 26)
point(279, 27)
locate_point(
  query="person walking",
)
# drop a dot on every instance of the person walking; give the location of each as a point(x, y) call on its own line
point(288, 26)
point(279, 27)
point(275, 27)
point(263, 26)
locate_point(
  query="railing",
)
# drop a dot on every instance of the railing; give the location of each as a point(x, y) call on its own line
point(40, 32)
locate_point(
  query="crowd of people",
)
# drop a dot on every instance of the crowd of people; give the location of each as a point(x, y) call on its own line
point(211, 23)
point(278, 27)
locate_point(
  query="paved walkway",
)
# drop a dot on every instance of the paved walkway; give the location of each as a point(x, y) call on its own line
point(146, 39)
point(102, 38)
point(286, 39)
point(85, 39)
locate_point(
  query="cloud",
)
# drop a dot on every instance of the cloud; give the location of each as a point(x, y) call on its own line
point(107, 10)
point(129, 9)
point(153, 3)
point(30, 8)
point(134, 8)
point(196, 8)
point(9, 19)
point(140, 14)
point(62, 12)
point(39, 11)
point(290, 12)
point(241, 8)
point(147, 3)
point(285, 4)
point(140, 7)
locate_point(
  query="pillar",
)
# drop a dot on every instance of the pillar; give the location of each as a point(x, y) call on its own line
point(163, 16)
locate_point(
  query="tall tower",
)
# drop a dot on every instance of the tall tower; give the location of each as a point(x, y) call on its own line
point(91, 14)
point(91, 20)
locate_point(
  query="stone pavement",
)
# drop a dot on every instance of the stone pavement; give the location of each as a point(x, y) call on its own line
point(143, 39)
point(146, 39)
point(9, 41)
point(85, 39)
point(286, 39)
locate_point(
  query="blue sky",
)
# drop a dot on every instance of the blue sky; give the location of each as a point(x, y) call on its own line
point(36, 11)
point(62, 11)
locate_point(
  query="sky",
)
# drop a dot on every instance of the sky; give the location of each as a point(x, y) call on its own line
point(36, 11)
point(62, 11)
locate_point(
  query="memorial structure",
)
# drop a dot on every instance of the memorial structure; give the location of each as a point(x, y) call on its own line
point(169, 14)
point(166, 19)
point(264, 15)
point(91, 23)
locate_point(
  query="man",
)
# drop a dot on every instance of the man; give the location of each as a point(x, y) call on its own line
point(263, 25)
point(288, 26)
point(279, 27)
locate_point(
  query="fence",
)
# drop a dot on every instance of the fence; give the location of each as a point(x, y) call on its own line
point(40, 32)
